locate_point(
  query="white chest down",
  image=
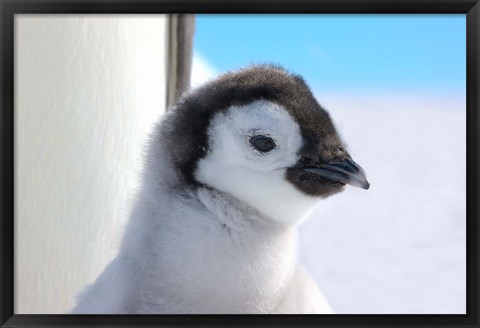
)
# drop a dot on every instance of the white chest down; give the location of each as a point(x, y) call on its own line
point(209, 256)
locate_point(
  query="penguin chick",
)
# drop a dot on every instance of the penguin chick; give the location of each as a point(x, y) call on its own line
point(230, 172)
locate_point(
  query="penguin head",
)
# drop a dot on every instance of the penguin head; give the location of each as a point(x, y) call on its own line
point(259, 135)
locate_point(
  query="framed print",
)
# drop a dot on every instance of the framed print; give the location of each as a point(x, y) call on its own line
point(244, 163)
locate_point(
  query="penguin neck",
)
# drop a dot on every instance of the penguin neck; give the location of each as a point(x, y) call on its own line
point(232, 213)
point(234, 220)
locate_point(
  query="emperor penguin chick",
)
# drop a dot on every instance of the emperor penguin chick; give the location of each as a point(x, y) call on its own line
point(230, 172)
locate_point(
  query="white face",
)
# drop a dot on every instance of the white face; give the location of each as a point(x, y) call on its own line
point(235, 166)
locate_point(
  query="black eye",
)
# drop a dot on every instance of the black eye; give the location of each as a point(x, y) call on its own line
point(262, 143)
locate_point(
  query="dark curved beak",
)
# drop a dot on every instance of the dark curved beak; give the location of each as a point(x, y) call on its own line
point(346, 171)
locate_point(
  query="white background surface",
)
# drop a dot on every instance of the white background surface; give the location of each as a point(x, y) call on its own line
point(400, 246)
point(87, 89)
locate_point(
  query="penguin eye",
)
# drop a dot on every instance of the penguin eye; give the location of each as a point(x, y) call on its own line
point(262, 143)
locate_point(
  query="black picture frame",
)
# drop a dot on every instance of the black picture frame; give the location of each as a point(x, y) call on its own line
point(9, 8)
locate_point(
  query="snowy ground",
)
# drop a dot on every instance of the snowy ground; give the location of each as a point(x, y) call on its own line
point(400, 246)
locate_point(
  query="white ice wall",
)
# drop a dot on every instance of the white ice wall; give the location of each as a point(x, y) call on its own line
point(87, 88)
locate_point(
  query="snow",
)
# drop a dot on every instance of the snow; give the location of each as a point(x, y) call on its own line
point(399, 247)
point(202, 70)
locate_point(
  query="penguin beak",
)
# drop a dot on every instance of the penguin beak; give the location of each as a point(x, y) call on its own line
point(346, 171)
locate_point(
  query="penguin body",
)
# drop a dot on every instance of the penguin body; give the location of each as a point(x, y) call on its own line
point(230, 172)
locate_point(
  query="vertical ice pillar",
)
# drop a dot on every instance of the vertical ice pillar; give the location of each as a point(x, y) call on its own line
point(87, 89)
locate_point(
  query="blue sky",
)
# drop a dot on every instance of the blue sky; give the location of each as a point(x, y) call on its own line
point(364, 53)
